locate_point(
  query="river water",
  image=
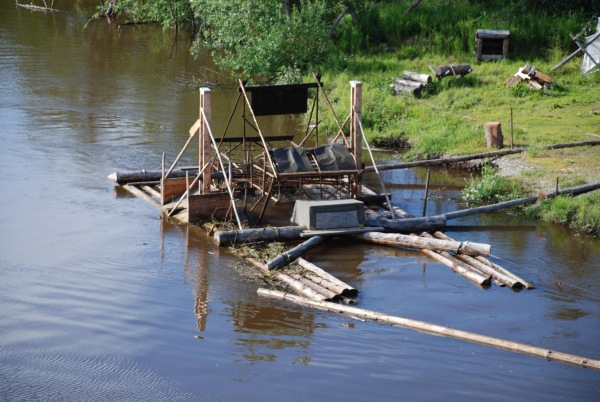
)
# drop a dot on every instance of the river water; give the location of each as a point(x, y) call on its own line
point(101, 299)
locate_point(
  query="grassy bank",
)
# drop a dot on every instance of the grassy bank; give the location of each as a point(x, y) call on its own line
point(448, 119)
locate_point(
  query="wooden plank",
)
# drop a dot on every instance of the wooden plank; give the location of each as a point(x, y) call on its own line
point(434, 329)
point(173, 187)
point(208, 205)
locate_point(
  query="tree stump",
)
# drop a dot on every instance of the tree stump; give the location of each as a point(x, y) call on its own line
point(493, 134)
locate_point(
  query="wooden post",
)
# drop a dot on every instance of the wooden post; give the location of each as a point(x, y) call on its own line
point(204, 159)
point(426, 193)
point(355, 127)
point(493, 134)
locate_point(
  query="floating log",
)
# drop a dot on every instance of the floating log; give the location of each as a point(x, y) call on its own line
point(328, 294)
point(408, 224)
point(132, 176)
point(484, 268)
point(297, 286)
point(227, 238)
point(458, 266)
point(337, 285)
point(437, 330)
point(418, 77)
point(419, 242)
point(291, 255)
point(140, 194)
point(505, 272)
point(471, 275)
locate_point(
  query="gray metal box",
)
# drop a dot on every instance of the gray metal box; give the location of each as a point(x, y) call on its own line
point(333, 214)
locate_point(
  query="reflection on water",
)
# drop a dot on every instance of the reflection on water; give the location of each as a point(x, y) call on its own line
point(103, 299)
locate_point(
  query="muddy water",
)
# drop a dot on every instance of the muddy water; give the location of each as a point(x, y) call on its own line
point(100, 299)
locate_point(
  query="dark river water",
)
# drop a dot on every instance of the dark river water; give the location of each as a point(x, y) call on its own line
point(101, 299)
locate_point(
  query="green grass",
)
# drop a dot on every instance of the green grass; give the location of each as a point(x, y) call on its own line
point(448, 119)
point(581, 213)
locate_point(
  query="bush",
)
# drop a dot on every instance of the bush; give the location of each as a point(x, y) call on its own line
point(491, 187)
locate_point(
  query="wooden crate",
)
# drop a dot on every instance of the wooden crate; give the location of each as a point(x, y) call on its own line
point(491, 44)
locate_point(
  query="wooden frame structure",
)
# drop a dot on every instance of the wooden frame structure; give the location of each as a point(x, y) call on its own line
point(269, 165)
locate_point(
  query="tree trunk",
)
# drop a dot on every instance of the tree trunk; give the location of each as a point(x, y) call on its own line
point(227, 238)
point(493, 134)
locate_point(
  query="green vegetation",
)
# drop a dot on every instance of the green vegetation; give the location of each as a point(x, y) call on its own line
point(491, 187)
point(581, 213)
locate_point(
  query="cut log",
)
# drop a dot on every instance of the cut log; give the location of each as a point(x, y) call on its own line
point(474, 277)
point(453, 69)
point(484, 268)
point(493, 134)
point(291, 255)
point(419, 242)
point(504, 272)
point(413, 76)
point(408, 82)
point(227, 238)
point(436, 330)
point(328, 294)
point(338, 286)
point(415, 90)
point(297, 286)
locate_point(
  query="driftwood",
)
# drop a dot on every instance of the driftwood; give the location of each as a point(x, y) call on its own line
point(134, 176)
point(227, 238)
point(419, 242)
point(291, 255)
point(437, 330)
point(38, 8)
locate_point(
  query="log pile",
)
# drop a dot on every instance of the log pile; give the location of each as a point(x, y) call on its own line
point(411, 82)
point(532, 76)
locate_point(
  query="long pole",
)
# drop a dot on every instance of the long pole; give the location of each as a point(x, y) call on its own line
point(218, 153)
point(385, 193)
point(437, 330)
